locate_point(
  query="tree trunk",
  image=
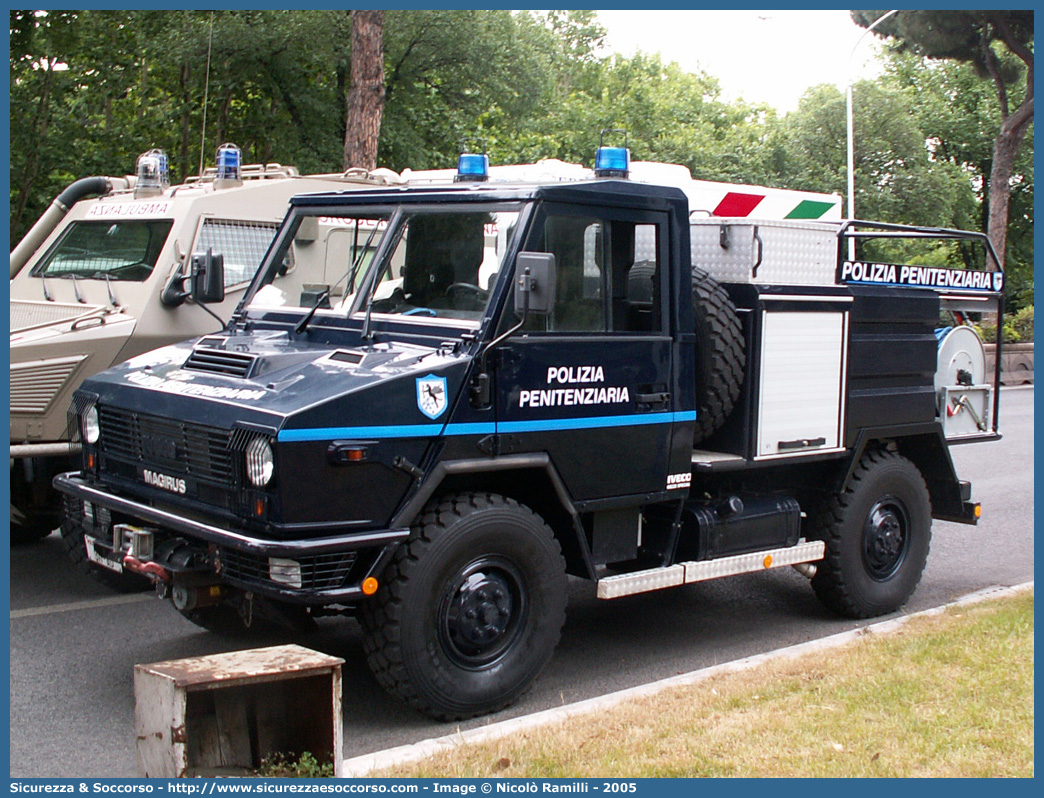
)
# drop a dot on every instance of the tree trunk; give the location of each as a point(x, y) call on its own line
point(1005, 148)
point(30, 169)
point(366, 90)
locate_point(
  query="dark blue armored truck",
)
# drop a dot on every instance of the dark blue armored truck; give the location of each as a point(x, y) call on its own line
point(436, 401)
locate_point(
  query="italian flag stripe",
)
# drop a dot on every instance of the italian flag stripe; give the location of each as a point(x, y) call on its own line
point(809, 209)
point(738, 204)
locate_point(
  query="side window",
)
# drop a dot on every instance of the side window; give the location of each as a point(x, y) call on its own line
point(636, 278)
point(608, 275)
point(243, 245)
point(576, 242)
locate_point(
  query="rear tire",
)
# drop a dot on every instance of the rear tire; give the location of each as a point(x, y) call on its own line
point(470, 609)
point(877, 532)
point(720, 354)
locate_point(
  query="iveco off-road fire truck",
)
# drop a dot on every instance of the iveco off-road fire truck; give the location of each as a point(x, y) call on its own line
point(99, 279)
point(492, 384)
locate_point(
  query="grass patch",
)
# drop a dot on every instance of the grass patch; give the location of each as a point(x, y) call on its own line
point(944, 696)
point(287, 766)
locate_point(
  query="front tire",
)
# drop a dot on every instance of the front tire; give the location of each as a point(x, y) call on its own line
point(877, 533)
point(470, 609)
point(72, 541)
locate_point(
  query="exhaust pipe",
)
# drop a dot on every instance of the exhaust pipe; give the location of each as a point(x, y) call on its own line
point(73, 193)
point(806, 569)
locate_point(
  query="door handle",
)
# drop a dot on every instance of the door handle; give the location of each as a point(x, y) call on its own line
point(652, 401)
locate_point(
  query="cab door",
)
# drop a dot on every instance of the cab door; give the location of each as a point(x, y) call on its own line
point(590, 383)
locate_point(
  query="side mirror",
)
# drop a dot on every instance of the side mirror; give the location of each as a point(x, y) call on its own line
point(535, 279)
point(208, 277)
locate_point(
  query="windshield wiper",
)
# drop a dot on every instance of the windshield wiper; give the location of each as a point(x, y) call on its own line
point(112, 297)
point(303, 324)
point(350, 273)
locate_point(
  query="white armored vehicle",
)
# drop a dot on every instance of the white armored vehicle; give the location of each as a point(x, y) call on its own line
point(101, 278)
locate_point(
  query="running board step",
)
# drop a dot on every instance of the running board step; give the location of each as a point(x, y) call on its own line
point(683, 573)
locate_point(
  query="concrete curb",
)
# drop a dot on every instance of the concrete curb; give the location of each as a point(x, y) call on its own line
point(365, 764)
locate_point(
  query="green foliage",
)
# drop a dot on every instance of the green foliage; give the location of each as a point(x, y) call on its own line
point(1018, 329)
point(988, 332)
point(91, 90)
point(1022, 322)
point(986, 58)
point(956, 35)
point(959, 114)
point(284, 766)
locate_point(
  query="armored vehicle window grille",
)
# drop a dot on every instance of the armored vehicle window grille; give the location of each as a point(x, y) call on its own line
point(168, 446)
point(38, 314)
point(318, 572)
point(243, 245)
point(218, 361)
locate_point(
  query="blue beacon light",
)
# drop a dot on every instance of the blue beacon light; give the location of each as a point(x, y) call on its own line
point(472, 167)
point(612, 162)
point(229, 162)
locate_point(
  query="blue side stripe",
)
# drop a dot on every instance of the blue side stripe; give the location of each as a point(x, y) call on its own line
point(329, 433)
point(597, 422)
point(485, 428)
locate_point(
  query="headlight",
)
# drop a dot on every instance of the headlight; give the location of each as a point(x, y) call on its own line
point(260, 464)
point(91, 427)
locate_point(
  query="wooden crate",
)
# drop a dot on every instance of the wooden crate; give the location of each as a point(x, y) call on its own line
point(222, 714)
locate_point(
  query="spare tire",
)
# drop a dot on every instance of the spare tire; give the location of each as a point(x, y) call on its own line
point(720, 355)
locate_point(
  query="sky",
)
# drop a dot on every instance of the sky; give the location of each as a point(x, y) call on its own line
point(760, 56)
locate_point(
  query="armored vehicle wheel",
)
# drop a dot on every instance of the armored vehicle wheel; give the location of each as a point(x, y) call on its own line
point(470, 609)
point(72, 541)
point(720, 354)
point(29, 528)
point(877, 534)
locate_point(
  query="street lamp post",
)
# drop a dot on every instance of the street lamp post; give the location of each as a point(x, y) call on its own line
point(849, 128)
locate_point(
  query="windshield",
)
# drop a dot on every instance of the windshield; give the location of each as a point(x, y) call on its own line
point(323, 261)
point(124, 250)
point(444, 263)
point(438, 262)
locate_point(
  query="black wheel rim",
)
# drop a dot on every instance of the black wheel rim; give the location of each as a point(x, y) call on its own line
point(886, 538)
point(482, 612)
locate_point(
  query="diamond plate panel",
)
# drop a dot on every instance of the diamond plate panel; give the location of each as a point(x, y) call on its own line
point(793, 253)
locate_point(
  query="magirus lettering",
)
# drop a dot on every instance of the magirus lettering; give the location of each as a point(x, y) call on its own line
point(164, 481)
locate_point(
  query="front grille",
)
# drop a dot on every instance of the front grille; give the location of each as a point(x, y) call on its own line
point(218, 361)
point(166, 445)
point(318, 572)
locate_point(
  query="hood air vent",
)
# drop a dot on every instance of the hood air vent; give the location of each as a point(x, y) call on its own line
point(219, 361)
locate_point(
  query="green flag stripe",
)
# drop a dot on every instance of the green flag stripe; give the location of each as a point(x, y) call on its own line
point(809, 209)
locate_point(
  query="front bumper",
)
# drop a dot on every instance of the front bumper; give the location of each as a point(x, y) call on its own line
point(250, 553)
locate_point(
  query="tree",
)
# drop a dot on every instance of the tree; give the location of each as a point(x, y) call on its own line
point(973, 36)
point(366, 91)
point(959, 113)
point(895, 177)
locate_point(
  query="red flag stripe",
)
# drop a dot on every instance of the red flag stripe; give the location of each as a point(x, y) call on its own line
point(738, 204)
